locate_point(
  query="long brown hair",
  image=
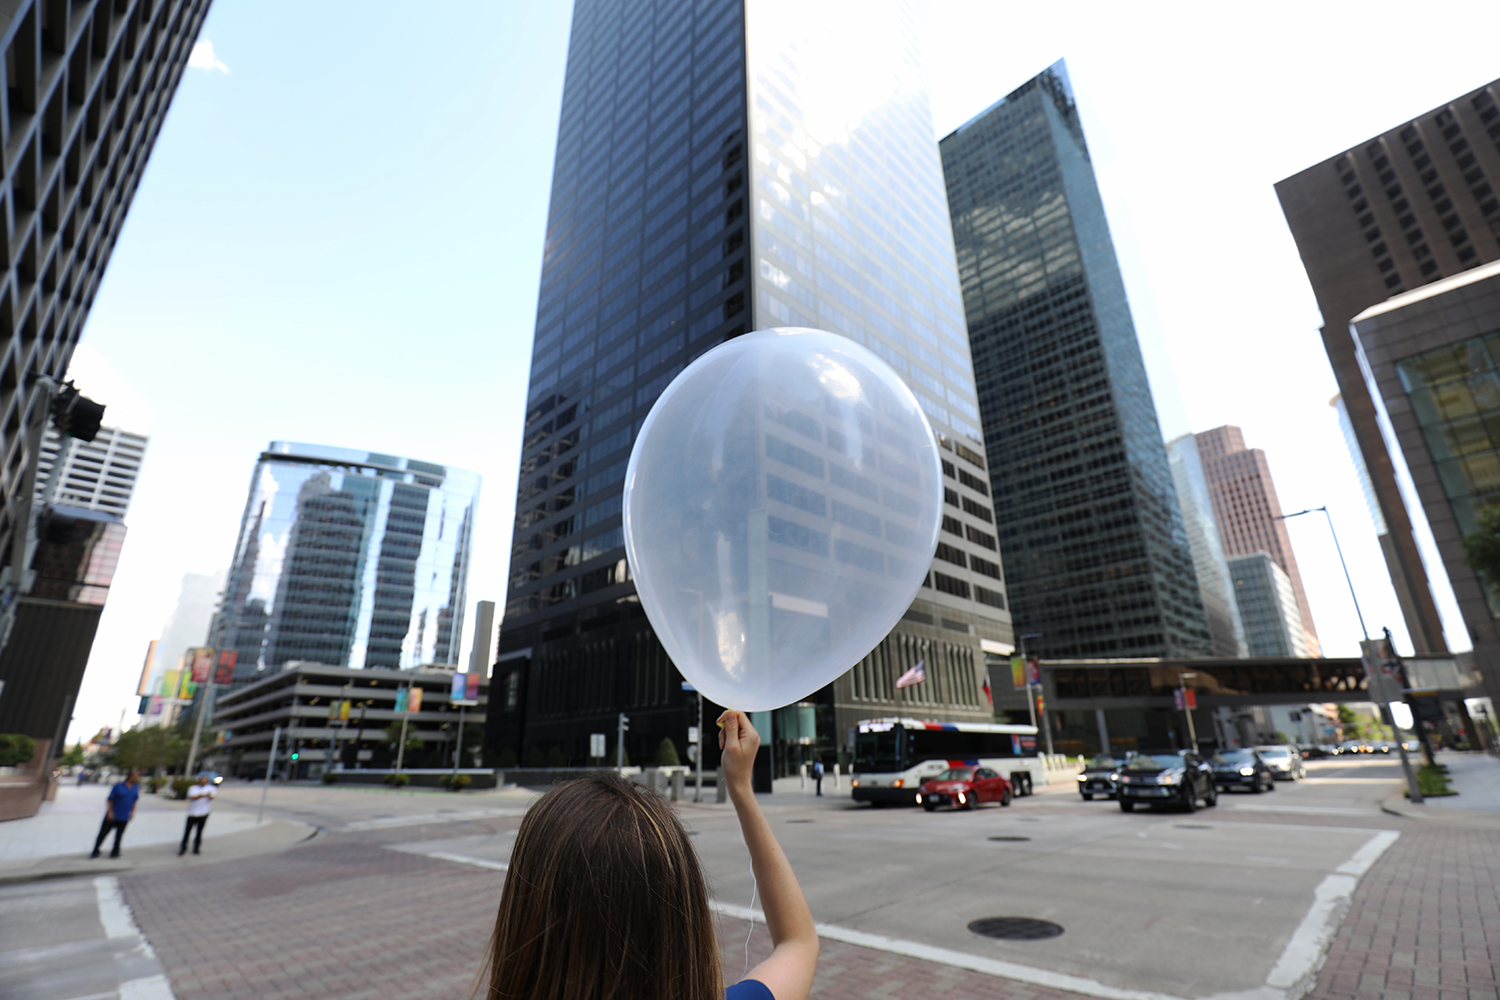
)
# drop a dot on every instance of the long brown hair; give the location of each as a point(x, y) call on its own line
point(604, 900)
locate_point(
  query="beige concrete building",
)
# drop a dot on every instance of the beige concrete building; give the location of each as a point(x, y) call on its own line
point(1249, 513)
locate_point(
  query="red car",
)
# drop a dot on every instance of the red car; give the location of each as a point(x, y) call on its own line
point(965, 788)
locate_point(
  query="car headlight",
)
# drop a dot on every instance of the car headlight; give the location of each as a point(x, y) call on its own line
point(961, 799)
point(1083, 777)
point(919, 798)
point(1170, 779)
point(854, 784)
point(899, 783)
point(1125, 779)
point(1247, 771)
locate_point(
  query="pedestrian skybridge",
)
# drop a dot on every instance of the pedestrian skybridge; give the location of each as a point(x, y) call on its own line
point(1150, 683)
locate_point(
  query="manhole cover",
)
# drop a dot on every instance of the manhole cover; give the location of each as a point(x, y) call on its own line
point(801, 821)
point(1008, 839)
point(1015, 928)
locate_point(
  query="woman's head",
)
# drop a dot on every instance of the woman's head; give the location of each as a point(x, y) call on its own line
point(604, 900)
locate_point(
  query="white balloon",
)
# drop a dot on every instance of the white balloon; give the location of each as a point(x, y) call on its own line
point(782, 507)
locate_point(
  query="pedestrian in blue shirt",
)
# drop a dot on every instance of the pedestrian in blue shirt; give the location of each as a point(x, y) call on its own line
point(117, 812)
point(818, 775)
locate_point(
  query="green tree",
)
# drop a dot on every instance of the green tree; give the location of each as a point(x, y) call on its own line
point(16, 749)
point(73, 756)
point(666, 754)
point(393, 737)
point(150, 748)
point(1482, 547)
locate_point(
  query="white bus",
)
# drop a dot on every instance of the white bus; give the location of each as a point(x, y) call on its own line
point(892, 757)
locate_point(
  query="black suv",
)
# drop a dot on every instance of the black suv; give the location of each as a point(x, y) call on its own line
point(1167, 777)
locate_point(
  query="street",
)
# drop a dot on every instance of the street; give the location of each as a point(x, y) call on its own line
point(394, 897)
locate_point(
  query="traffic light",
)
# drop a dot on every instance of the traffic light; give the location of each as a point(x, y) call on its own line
point(296, 754)
point(75, 415)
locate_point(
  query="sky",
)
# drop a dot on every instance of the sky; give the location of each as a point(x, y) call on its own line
point(338, 240)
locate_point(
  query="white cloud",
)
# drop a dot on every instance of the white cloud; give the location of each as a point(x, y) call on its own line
point(202, 57)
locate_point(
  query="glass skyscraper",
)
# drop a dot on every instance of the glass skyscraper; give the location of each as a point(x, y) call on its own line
point(722, 167)
point(348, 558)
point(1093, 537)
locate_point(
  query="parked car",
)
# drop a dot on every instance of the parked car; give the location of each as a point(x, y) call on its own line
point(1284, 761)
point(1316, 751)
point(1100, 776)
point(1411, 746)
point(1383, 746)
point(1354, 746)
point(1167, 777)
point(964, 788)
point(1242, 769)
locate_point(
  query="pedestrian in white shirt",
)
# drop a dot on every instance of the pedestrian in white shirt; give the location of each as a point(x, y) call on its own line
point(200, 800)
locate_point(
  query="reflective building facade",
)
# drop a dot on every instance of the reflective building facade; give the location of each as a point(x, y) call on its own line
point(1209, 562)
point(1093, 537)
point(712, 177)
point(1268, 607)
point(350, 559)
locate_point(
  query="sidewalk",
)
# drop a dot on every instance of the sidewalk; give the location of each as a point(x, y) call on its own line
point(56, 842)
point(1476, 776)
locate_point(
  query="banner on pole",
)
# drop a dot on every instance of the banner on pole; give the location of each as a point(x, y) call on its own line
point(414, 700)
point(203, 661)
point(1017, 672)
point(401, 700)
point(225, 672)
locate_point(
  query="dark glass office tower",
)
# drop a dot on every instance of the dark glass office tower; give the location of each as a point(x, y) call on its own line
point(724, 167)
point(1095, 550)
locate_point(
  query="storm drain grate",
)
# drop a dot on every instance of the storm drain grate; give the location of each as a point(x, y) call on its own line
point(1015, 928)
point(1010, 839)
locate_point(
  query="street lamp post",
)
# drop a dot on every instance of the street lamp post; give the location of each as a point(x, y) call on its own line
point(1413, 791)
point(1182, 679)
point(1030, 696)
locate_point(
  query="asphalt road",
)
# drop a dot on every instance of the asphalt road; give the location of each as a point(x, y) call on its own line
point(1185, 905)
point(1222, 901)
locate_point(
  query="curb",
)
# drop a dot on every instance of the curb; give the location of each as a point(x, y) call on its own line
point(42, 874)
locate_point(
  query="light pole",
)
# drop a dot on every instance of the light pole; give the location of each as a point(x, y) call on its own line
point(1186, 709)
point(1414, 793)
point(1031, 698)
point(1339, 549)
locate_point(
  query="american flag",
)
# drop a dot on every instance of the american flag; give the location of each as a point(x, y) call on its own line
point(915, 675)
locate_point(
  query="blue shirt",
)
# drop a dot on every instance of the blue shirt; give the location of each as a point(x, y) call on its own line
point(122, 801)
point(748, 989)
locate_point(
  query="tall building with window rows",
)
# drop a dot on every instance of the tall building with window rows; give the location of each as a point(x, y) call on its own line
point(722, 167)
point(1096, 552)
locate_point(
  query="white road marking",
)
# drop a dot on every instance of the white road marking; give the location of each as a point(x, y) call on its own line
point(499, 866)
point(446, 817)
point(113, 913)
point(115, 917)
point(958, 959)
point(1296, 971)
point(151, 988)
point(1293, 975)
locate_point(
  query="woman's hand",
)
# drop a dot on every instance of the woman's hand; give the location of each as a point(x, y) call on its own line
point(739, 742)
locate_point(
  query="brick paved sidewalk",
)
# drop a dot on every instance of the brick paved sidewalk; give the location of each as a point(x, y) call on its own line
point(1424, 923)
point(345, 918)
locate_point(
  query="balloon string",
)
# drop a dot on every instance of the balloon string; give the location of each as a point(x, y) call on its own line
point(753, 886)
